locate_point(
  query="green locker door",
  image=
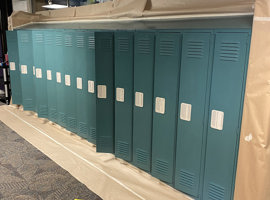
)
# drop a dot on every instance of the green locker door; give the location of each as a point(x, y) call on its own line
point(27, 70)
point(193, 110)
point(123, 94)
point(70, 69)
point(40, 73)
point(105, 91)
point(91, 78)
point(50, 74)
point(59, 76)
point(227, 90)
point(14, 68)
point(144, 44)
point(167, 67)
point(82, 63)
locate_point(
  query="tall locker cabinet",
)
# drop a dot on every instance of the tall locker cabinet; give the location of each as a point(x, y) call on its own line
point(167, 68)
point(123, 94)
point(14, 67)
point(50, 73)
point(193, 109)
point(228, 83)
point(27, 69)
point(40, 73)
point(144, 44)
point(70, 70)
point(104, 57)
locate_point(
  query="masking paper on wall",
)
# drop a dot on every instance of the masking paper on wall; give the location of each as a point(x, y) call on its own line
point(185, 112)
point(38, 73)
point(160, 105)
point(67, 80)
point(12, 66)
point(217, 118)
point(49, 75)
point(120, 94)
point(139, 99)
point(91, 86)
point(24, 69)
point(58, 77)
point(79, 83)
point(102, 91)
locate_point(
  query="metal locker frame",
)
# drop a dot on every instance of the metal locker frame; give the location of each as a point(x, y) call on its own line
point(123, 93)
point(144, 57)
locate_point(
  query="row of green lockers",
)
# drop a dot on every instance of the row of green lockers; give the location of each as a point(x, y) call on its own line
point(169, 102)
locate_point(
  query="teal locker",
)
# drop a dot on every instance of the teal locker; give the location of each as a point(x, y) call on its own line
point(227, 90)
point(167, 67)
point(50, 73)
point(82, 64)
point(193, 110)
point(144, 44)
point(91, 78)
point(123, 94)
point(69, 76)
point(104, 57)
point(58, 59)
point(14, 68)
point(40, 73)
point(27, 69)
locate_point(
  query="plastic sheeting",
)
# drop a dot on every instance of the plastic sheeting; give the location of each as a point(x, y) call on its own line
point(253, 171)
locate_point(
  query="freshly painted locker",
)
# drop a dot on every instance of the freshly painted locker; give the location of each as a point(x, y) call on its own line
point(59, 75)
point(50, 73)
point(193, 110)
point(14, 67)
point(104, 57)
point(91, 78)
point(144, 44)
point(167, 67)
point(69, 76)
point(227, 90)
point(40, 80)
point(27, 69)
point(123, 94)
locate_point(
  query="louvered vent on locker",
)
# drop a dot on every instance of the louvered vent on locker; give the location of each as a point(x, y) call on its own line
point(53, 113)
point(123, 44)
point(166, 47)
point(25, 37)
point(62, 118)
point(39, 37)
point(195, 49)
point(186, 179)
point(68, 40)
point(106, 44)
point(49, 39)
point(93, 134)
point(162, 167)
point(42, 111)
point(91, 42)
point(83, 128)
point(229, 51)
point(144, 46)
point(123, 148)
point(71, 122)
point(215, 192)
point(59, 40)
point(80, 41)
point(142, 156)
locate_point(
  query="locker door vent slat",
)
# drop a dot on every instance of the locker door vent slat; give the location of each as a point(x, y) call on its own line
point(186, 179)
point(61, 117)
point(48, 39)
point(39, 37)
point(80, 41)
point(167, 47)
point(229, 51)
point(25, 38)
point(195, 49)
point(93, 133)
point(28, 104)
point(162, 167)
point(71, 122)
point(122, 148)
point(91, 42)
point(53, 113)
point(216, 192)
point(144, 46)
point(68, 40)
point(104, 141)
point(142, 156)
point(106, 44)
point(43, 111)
point(58, 40)
point(123, 44)
point(83, 128)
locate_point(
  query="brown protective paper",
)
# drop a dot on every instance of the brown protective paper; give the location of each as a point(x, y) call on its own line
point(136, 9)
point(253, 170)
point(120, 181)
